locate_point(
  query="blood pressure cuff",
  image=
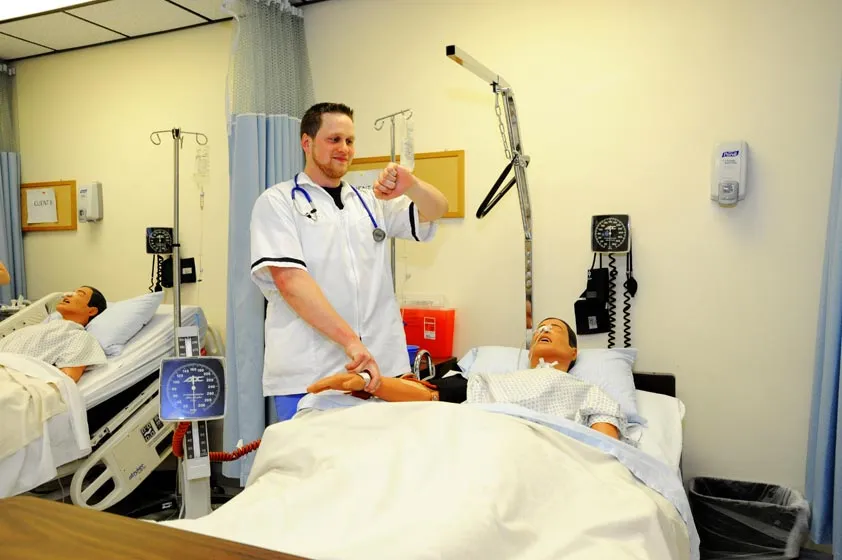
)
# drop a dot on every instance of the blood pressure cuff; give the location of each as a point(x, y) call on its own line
point(453, 389)
point(597, 288)
point(591, 316)
point(592, 307)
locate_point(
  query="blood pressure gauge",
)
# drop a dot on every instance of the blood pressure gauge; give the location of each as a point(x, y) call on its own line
point(192, 388)
point(610, 234)
point(159, 240)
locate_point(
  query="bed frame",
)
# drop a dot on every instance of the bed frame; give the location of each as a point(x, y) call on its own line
point(661, 383)
point(129, 443)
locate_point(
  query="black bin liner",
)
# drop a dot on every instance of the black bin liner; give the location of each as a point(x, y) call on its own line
point(737, 519)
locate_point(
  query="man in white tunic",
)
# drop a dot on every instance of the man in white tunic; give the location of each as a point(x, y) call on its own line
point(319, 251)
point(63, 342)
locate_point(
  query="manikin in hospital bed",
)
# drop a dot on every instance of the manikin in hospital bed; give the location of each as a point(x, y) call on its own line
point(434, 479)
point(27, 402)
point(541, 389)
point(107, 435)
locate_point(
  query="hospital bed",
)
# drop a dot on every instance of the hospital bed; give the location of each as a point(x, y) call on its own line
point(118, 440)
point(427, 480)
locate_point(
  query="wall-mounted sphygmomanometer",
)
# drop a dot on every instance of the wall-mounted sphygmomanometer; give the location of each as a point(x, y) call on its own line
point(159, 241)
point(610, 234)
point(595, 309)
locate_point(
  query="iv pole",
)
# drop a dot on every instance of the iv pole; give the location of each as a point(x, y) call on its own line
point(518, 162)
point(195, 470)
point(378, 125)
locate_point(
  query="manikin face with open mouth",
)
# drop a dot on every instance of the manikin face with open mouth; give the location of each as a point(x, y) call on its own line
point(553, 342)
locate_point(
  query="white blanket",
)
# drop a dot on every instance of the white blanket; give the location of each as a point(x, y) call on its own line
point(26, 404)
point(36, 461)
point(442, 481)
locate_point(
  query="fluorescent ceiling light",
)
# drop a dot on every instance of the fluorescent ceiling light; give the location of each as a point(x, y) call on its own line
point(10, 9)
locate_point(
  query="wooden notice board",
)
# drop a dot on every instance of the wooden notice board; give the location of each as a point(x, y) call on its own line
point(444, 170)
point(65, 200)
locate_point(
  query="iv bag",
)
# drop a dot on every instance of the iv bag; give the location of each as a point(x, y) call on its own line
point(408, 146)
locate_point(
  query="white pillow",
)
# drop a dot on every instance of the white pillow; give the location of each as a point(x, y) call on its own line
point(609, 369)
point(662, 437)
point(494, 359)
point(122, 320)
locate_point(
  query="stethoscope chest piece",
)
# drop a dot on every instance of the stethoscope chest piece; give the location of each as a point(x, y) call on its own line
point(379, 235)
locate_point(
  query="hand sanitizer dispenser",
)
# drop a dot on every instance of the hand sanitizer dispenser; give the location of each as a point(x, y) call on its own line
point(89, 202)
point(728, 184)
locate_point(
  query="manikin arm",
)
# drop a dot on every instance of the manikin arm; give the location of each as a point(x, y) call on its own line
point(391, 389)
point(608, 429)
point(74, 373)
point(4, 275)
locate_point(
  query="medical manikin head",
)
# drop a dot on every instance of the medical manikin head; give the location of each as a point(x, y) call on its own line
point(554, 343)
point(327, 138)
point(81, 305)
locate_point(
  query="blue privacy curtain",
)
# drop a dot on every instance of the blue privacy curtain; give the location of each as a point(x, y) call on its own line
point(269, 89)
point(824, 453)
point(11, 236)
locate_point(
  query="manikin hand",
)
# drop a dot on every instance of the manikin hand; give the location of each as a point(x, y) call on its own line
point(362, 360)
point(393, 182)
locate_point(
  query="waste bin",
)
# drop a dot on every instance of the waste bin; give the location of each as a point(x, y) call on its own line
point(738, 519)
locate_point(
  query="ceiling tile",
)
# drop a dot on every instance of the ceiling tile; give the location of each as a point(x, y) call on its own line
point(137, 17)
point(211, 9)
point(11, 48)
point(58, 31)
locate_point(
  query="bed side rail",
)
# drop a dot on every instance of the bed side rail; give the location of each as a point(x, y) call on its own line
point(31, 314)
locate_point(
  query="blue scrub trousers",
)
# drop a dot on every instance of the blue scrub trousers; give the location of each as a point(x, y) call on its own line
point(287, 405)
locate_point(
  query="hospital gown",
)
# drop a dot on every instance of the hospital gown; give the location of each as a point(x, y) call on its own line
point(550, 391)
point(60, 343)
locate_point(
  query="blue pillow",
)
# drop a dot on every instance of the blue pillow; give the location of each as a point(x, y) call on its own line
point(122, 320)
point(610, 369)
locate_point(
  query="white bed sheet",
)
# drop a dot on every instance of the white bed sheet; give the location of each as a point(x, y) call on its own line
point(354, 483)
point(662, 437)
point(141, 356)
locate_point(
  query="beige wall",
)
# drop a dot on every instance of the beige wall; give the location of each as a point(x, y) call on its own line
point(87, 115)
point(621, 103)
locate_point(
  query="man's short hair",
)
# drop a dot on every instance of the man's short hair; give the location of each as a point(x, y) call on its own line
point(97, 300)
point(311, 122)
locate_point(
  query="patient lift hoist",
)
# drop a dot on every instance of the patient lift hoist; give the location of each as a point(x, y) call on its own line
point(517, 162)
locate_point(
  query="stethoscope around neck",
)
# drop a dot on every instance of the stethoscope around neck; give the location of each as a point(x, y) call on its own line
point(312, 214)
